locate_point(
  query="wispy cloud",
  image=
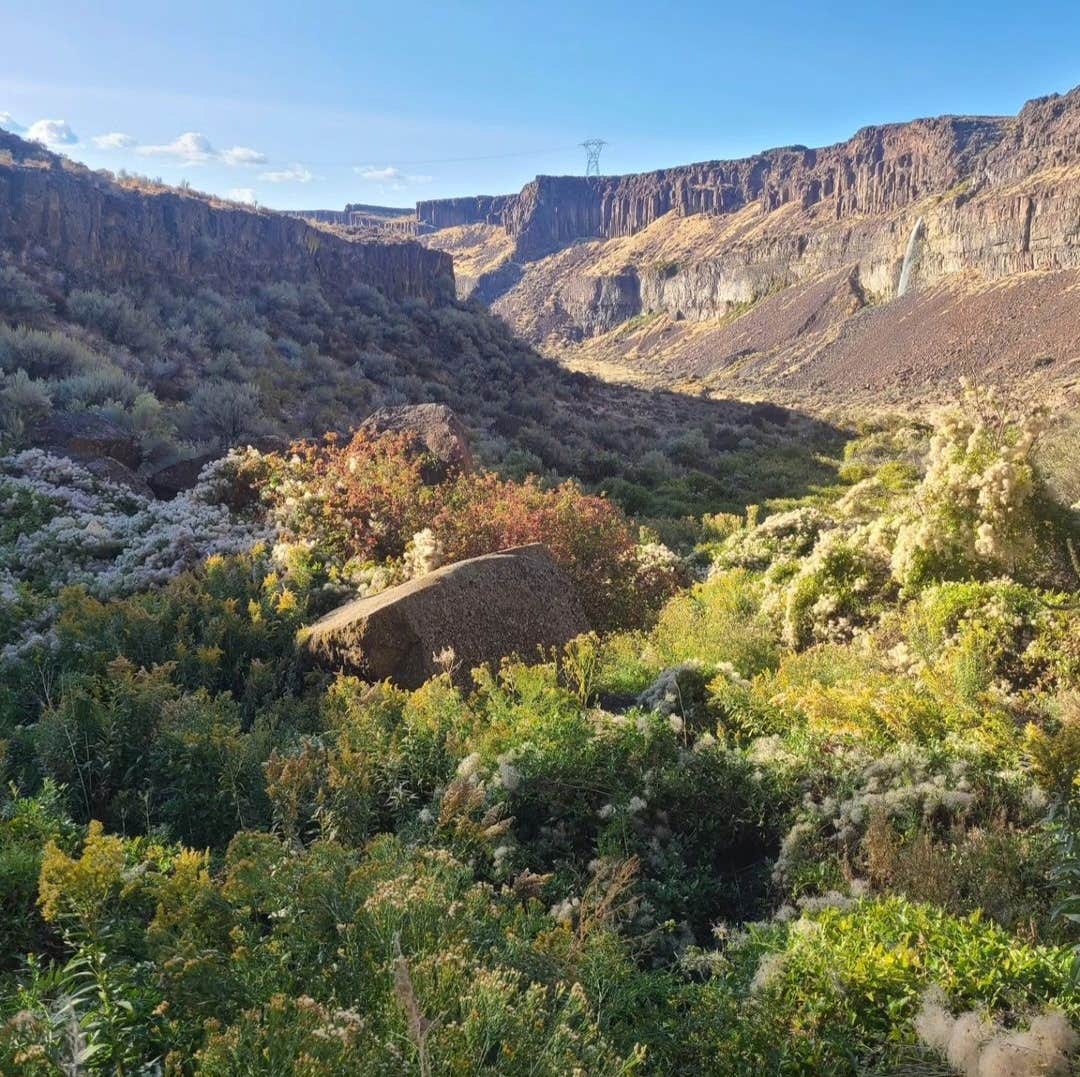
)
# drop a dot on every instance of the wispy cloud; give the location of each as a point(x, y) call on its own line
point(8, 123)
point(242, 194)
point(194, 148)
point(243, 155)
point(114, 140)
point(293, 174)
point(52, 133)
point(389, 176)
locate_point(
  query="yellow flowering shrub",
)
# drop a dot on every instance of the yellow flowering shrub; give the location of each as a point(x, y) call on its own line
point(82, 888)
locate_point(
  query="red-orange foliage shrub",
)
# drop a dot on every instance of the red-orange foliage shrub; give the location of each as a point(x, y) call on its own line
point(367, 499)
point(588, 536)
point(364, 499)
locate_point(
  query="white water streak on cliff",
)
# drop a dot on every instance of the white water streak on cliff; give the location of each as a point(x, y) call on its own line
point(911, 257)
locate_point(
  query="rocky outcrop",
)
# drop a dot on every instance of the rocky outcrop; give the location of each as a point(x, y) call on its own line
point(1045, 132)
point(171, 481)
point(433, 429)
point(879, 170)
point(95, 228)
point(599, 303)
point(109, 470)
point(322, 216)
point(451, 212)
point(386, 220)
point(996, 197)
point(463, 615)
point(106, 450)
point(87, 435)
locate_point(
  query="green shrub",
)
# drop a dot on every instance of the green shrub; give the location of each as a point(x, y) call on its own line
point(717, 622)
point(838, 991)
point(116, 317)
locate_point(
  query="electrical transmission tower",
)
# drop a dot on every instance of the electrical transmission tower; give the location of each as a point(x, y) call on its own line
point(592, 148)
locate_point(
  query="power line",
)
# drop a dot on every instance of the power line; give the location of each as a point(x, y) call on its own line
point(447, 160)
point(490, 156)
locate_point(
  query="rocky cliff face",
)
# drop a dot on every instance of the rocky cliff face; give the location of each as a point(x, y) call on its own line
point(93, 227)
point(997, 196)
point(453, 212)
point(339, 217)
point(879, 170)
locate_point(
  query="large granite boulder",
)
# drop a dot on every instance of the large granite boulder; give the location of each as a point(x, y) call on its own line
point(110, 470)
point(87, 435)
point(512, 602)
point(432, 428)
point(171, 481)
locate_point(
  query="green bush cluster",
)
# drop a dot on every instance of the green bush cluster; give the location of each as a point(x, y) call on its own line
point(184, 369)
point(753, 836)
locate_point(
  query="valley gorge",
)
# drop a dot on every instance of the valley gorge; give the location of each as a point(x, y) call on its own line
point(627, 626)
point(660, 271)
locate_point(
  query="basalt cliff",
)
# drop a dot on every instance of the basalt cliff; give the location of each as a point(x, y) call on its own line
point(94, 228)
point(900, 257)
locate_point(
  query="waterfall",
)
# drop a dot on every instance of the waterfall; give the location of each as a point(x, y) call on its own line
point(911, 257)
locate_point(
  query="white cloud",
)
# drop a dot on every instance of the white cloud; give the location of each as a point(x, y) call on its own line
point(114, 140)
point(389, 175)
point(191, 148)
point(8, 123)
point(194, 148)
point(242, 194)
point(294, 174)
point(242, 155)
point(52, 133)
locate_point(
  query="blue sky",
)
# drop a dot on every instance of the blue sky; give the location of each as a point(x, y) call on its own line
point(318, 104)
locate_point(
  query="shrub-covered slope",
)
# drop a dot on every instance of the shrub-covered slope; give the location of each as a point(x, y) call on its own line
point(181, 326)
point(815, 813)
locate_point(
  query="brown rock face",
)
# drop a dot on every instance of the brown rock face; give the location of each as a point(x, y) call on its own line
point(450, 212)
point(782, 254)
point(169, 482)
point(95, 228)
point(433, 428)
point(86, 435)
point(110, 470)
point(356, 215)
point(879, 169)
point(512, 602)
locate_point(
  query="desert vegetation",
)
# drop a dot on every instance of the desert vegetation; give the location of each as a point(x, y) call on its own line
point(172, 370)
point(805, 802)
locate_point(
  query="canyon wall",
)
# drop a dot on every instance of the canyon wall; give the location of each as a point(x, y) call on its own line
point(339, 217)
point(93, 227)
point(878, 170)
point(998, 196)
point(452, 212)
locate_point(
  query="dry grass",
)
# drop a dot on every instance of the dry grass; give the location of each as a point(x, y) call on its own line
point(476, 248)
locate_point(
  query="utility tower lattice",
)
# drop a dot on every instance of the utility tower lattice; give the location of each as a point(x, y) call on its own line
point(592, 148)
